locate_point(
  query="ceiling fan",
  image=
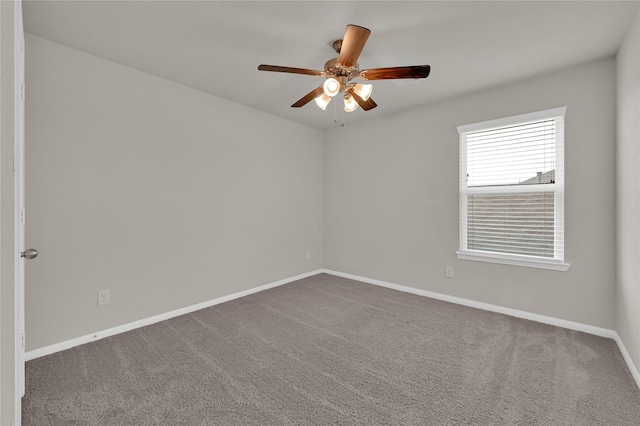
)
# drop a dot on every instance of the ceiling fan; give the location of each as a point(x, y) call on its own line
point(341, 70)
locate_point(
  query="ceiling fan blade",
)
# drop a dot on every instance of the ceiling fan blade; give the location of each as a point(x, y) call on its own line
point(309, 97)
point(291, 70)
point(365, 105)
point(353, 42)
point(415, 71)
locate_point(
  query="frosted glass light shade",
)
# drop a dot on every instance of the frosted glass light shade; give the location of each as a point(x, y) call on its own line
point(350, 104)
point(331, 87)
point(322, 101)
point(363, 90)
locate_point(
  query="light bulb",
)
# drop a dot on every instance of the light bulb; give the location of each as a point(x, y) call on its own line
point(331, 87)
point(363, 90)
point(350, 104)
point(322, 101)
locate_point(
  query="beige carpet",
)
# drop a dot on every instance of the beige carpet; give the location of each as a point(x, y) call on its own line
point(331, 351)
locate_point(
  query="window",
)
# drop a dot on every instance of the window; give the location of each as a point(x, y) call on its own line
point(512, 190)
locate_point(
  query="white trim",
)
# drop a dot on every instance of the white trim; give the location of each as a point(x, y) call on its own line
point(513, 259)
point(627, 358)
point(559, 217)
point(19, 200)
point(507, 121)
point(571, 325)
point(68, 344)
point(510, 189)
point(462, 196)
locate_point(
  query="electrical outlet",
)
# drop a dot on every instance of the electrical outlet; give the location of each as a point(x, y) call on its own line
point(104, 297)
point(308, 254)
point(448, 271)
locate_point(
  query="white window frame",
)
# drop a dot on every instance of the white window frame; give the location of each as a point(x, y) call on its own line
point(557, 263)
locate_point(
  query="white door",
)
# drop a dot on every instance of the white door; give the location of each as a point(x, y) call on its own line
point(19, 155)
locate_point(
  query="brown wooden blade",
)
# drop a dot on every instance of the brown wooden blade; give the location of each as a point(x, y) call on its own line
point(308, 97)
point(365, 105)
point(291, 70)
point(353, 42)
point(416, 71)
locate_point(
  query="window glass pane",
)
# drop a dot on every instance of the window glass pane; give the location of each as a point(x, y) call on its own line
point(524, 154)
point(518, 223)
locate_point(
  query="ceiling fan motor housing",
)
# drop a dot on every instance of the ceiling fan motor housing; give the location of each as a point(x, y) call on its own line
point(333, 69)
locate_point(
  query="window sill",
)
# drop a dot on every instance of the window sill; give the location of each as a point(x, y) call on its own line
point(515, 260)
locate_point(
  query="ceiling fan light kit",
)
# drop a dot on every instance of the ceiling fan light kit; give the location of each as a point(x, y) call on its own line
point(350, 103)
point(322, 101)
point(341, 70)
point(331, 87)
point(363, 90)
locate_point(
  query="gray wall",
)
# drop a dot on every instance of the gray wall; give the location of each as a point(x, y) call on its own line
point(391, 198)
point(163, 194)
point(7, 336)
point(169, 196)
point(628, 200)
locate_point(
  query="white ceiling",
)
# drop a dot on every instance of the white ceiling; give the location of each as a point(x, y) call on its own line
point(216, 46)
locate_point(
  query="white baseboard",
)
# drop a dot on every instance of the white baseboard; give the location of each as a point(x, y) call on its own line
point(627, 359)
point(598, 331)
point(68, 344)
point(571, 325)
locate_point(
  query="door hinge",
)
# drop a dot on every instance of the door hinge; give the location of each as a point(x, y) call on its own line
point(22, 92)
point(22, 345)
point(22, 217)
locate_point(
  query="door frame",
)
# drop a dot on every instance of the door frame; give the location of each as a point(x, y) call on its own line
point(19, 211)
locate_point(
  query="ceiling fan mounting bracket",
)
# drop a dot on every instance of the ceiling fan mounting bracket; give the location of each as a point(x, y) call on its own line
point(337, 46)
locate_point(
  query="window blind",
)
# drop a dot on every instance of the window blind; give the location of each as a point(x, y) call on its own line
point(512, 155)
point(512, 186)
